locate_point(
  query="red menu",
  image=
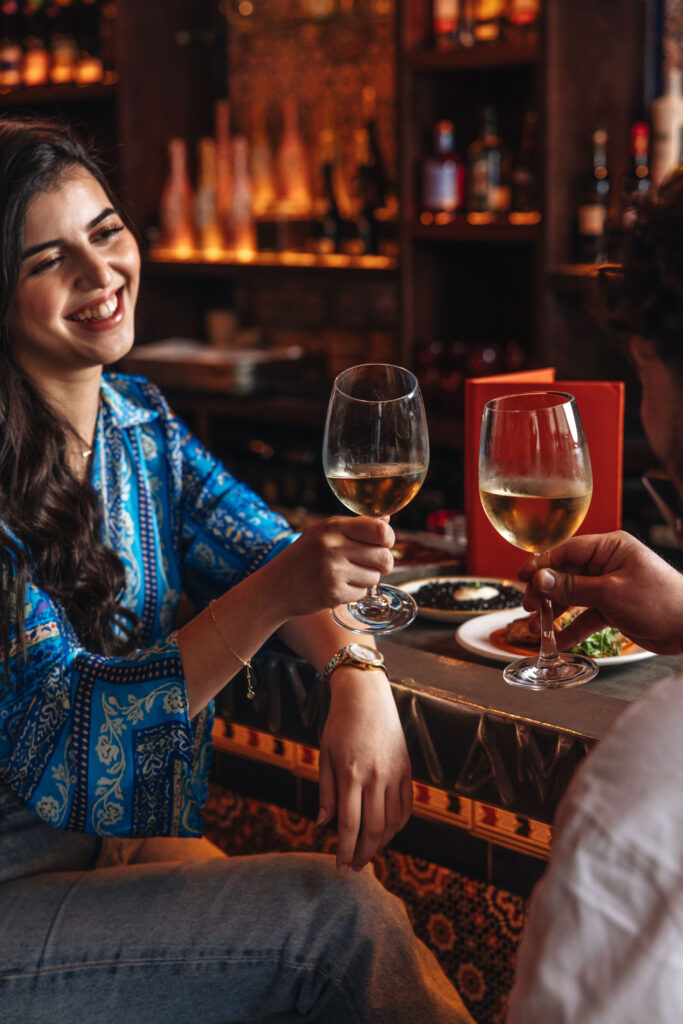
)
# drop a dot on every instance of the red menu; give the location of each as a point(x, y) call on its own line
point(601, 404)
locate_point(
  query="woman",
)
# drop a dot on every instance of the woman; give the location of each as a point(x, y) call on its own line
point(109, 509)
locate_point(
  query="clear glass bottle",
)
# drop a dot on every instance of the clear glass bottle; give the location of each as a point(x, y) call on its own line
point(90, 68)
point(63, 45)
point(524, 198)
point(241, 228)
point(261, 162)
point(291, 163)
point(175, 207)
point(637, 183)
point(206, 221)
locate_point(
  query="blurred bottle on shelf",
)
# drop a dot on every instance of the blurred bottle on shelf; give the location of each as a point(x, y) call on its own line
point(667, 120)
point(443, 178)
point(206, 222)
point(241, 229)
point(488, 20)
point(521, 20)
point(291, 163)
point(261, 162)
point(107, 38)
point(63, 45)
point(488, 166)
point(10, 45)
point(637, 183)
point(594, 205)
point(328, 217)
point(175, 207)
point(524, 197)
point(90, 68)
point(445, 24)
point(466, 22)
point(224, 184)
point(35, 68)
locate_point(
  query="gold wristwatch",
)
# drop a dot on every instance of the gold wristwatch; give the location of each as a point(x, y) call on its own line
point(354, 654)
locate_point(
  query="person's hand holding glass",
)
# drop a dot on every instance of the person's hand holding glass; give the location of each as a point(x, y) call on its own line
point(535, 484)
point(375, 458)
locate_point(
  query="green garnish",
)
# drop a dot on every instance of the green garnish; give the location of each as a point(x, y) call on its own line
point(604, 644)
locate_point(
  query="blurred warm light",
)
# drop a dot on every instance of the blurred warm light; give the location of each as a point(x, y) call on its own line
point(426, 218)
point(529, 217)
point(481, 217)
point(443, 217)
point(89, 71)
point(246, 8)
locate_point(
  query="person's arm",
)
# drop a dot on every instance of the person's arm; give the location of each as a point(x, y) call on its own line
point(364, 765)
point(620, 582)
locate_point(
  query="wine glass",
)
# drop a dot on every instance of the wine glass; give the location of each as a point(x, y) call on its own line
point(536, 483)
point(375, 457)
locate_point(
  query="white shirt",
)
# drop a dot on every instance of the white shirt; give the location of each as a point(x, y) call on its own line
point(603, 943)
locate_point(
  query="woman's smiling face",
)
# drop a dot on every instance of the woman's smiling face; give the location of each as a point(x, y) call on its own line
point(74, 304)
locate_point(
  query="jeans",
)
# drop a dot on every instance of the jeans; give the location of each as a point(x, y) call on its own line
point(170, 930)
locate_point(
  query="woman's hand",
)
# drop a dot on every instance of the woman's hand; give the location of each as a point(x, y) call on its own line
point(620, 582)
point(333, 562)
point(365, 775)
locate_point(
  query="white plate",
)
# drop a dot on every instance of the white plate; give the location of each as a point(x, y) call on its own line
point(474, 635)
point(456, 614)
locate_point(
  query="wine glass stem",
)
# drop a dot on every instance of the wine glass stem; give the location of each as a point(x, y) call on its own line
point(549, 651)
point(375, 598)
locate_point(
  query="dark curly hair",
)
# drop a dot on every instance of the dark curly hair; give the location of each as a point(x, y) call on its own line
point(643, 295)
point(50, 523)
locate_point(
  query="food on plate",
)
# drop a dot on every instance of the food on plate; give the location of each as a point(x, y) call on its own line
point(467, 595)
point(607, 643)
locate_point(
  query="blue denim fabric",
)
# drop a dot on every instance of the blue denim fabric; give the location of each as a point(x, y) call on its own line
point(278, 937)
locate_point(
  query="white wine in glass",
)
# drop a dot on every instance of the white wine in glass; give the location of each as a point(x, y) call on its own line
point(375, 458)
point(535, 484)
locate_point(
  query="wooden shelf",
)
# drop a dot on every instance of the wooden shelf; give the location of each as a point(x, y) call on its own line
point(294, 261)
point(68, 93)
point(573, 277)
point(462, 231)
point(476, 58)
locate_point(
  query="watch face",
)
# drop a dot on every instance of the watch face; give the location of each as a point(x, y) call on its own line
point(363, 653)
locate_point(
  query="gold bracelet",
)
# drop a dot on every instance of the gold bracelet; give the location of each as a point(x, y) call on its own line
point(251, 693)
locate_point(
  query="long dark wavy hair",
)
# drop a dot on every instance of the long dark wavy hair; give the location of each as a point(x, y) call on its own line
point(643, 294)
point(50, 523)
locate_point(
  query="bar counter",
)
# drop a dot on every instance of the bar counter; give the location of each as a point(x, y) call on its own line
point(487, 757)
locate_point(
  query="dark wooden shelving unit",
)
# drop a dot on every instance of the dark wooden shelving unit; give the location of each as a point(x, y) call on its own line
point(502, 54)
point(500, 232)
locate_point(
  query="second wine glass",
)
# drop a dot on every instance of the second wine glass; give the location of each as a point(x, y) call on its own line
point(536, 483)
point(375, 458)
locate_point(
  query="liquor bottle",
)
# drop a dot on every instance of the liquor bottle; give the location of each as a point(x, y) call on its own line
point(488, 191)
point(261, 162)
point(10, 45)
point(443, 177)
point(367, 196)
point(488, 20)
point(524, 199)
point(466, 22)
point(175, 209)
point(637, 182)
point(63, 46)
point(293, 185)
point(594, 206)
point(107, 38)
point(667, 118)
point(90, 68)
point(445, 23)
point(241, 230)
point(223, 162)
point(329, 217)
point(35, 68)
point(206, 222)
point(521, 19)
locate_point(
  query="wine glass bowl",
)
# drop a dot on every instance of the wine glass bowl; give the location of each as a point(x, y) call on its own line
point(535, 485)
point(375, 459)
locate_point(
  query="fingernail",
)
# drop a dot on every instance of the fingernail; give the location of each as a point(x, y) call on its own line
point(343, 869)
point(545, 581)
point(322, 814)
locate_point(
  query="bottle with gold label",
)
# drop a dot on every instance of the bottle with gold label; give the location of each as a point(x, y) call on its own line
point(175, 210)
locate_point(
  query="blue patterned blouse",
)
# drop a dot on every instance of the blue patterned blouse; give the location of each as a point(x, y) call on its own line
point(105, 745)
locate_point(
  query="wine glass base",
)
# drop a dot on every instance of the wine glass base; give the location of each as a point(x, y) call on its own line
point(398, 613)
point(568, 670)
